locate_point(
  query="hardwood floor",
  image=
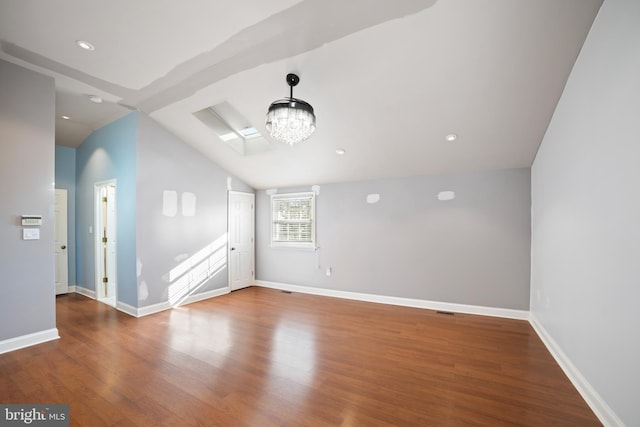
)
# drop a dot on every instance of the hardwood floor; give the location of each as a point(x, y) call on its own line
point(261, 357)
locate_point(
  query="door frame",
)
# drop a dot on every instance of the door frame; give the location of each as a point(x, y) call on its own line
point(230, 194)
point(98, 216)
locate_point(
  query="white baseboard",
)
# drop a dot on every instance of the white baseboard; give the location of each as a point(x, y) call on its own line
point(126, 308)
point(152, 309)
point(604, 413)
point(90, 293)
point(28, 340)
point(156, 308)
point(205, 295)
point(120, 306)
point(405, 302)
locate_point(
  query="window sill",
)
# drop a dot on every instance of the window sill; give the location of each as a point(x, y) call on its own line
point(294, 247)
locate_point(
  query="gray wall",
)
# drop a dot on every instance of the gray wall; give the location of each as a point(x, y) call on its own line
point(27, 120)
point(170, 245)
point(65, 172)
point(586, 213)
point(471, 250)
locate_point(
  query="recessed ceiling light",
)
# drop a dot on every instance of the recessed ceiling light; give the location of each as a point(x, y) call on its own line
point(85, 45)
point(451, 137)
point(95, 99)
point(446, 195)
point(340, 151)
point(65, 117)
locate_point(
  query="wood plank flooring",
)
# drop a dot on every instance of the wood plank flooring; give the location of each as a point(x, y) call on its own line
point(261, 357)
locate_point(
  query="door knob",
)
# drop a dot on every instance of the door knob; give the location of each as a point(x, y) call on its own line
point(63, 247)
point(233, 249)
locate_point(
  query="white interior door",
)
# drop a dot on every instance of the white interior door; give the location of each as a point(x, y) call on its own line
point(241, 240)
point(105, 253)
point(60, 236)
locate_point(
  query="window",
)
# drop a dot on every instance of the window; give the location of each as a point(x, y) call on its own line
point(293, 222)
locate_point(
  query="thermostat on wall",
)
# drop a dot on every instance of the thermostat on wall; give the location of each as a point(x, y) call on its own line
point(32, 220)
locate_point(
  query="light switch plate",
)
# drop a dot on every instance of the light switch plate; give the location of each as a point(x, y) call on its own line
point(30, 233)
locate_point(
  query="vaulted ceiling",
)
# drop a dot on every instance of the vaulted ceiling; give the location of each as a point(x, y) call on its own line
point(388, 79)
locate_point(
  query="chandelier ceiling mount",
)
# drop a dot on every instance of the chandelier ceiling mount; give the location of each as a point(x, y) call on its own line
point(291, 120)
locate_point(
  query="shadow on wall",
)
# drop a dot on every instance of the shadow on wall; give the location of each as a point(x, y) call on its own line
point(192, 273)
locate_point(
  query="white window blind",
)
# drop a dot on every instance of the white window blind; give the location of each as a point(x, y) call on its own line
point(293, 220)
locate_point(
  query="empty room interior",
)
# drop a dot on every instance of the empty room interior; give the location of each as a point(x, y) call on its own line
point(321, 213)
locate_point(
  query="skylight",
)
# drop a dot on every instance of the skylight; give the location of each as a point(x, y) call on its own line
point(250, 132)
point(233, 129)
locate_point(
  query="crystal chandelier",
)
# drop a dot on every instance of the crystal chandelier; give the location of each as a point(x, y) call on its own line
point(290, 120)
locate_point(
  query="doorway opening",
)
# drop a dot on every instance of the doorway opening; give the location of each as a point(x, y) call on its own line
point(105, 242)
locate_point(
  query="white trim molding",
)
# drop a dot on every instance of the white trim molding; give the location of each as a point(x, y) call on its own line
point(28, 340)
point(89, 293)
point(156, 308)
point(126, 308)
point(204, 295)
point(604, 413)
point(151, 309)
point(120, 306)
point(405, 302)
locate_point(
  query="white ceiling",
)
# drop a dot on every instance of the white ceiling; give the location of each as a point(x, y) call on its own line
point(388, 79)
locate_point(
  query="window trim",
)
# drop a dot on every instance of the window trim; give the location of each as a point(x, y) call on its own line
point(294, 245)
